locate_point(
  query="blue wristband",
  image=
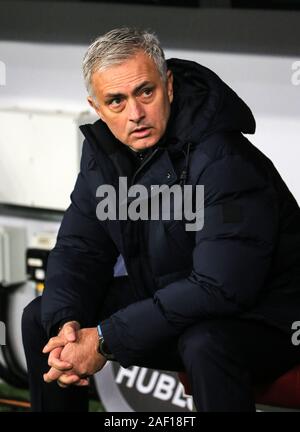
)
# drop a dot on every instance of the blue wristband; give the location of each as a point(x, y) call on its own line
point(99, 331)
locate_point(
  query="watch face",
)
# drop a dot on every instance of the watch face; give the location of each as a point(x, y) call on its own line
point(100, 346)
point(103, 349)
point(101, 342)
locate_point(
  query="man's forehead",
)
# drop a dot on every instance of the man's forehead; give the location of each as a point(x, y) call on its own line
point(127, 75)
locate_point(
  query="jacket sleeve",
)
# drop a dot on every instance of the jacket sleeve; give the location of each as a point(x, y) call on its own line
point(81, 264)
point(231, 258)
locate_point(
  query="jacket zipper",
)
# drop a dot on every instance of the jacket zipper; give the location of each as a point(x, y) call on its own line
point(144, 164)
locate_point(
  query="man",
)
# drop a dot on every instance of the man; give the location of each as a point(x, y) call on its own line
point(217, 301)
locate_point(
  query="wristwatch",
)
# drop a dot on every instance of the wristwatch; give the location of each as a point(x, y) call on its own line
point(103, 348)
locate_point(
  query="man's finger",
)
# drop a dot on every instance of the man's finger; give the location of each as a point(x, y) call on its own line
point(54, 342)
point(68, 333)
point(75, 380)
point(68, 379)
point(70, 330)
point(55, 361)
point(83, 382)
point(52, 375)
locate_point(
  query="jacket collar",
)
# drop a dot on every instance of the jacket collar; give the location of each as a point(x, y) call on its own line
point(103, 141)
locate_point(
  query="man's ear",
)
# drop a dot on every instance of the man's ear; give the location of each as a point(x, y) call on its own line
point(93, 104)
point(170, 85)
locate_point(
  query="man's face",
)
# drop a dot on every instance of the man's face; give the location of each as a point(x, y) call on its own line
point(134, 102)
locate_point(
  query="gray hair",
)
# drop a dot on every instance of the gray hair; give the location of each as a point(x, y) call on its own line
point(117, 46)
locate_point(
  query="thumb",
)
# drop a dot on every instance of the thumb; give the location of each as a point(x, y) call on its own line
point(70, 330)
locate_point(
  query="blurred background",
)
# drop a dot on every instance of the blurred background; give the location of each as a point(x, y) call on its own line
point(252, 45)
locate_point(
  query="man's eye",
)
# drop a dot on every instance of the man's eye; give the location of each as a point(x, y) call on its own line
point(147, 92)
point(115, 102)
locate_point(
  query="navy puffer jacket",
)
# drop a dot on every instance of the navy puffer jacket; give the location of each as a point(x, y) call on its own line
point(244, 263)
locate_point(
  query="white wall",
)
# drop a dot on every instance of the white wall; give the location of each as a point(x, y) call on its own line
point(41, 106)
point(39, 158)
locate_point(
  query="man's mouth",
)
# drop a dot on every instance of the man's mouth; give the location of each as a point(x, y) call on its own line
point(141, 131)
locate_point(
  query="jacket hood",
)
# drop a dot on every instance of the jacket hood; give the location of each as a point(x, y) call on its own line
point(203, 104)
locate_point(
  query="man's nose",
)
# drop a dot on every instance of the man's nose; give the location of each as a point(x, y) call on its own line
point(136, 111)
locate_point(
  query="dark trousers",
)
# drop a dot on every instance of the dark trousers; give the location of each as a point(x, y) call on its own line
point(223, 358)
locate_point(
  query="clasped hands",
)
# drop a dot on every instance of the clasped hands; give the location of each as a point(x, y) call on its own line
point(73, 355)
